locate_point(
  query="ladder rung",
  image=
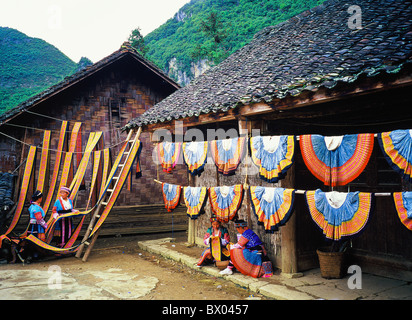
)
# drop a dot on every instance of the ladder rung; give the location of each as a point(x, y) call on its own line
point(121, 165)
point(115, 178)
point(110, 190)
point(126, 152)
point(87, 243)
point(104, 203)
point(97, 215)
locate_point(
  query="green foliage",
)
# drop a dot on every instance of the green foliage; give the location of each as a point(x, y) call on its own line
point(215, 48)
point(184, 37)
point(137, 41)
point(28, 66)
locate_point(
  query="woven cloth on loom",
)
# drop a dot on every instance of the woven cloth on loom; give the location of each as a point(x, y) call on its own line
point(194, 199)
point(226, 201)
point(273, 155)
point(336, 161)
point(227, 154)
point(272, 206)
point(118, 187)
point(397, 148)
point(171, 196)
point(403, 204)
point(168, 155)
point(339, 215)
point(195, 156)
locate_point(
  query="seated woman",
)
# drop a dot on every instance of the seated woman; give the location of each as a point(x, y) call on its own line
point(64, 226)
point(217, 238)
point(248, 254)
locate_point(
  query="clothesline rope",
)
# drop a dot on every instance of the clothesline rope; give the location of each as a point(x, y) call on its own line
point(298, 191)
point(55, 150)
point(53, 118)
point(39, 129)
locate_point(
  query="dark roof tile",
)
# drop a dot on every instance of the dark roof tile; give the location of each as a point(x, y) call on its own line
point(313, 49)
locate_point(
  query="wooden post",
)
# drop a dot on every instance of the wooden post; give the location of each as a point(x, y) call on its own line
point(288, 235)
point(243, 132)
point(191, 234)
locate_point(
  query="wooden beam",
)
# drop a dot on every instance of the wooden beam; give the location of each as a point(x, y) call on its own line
point(306, 98)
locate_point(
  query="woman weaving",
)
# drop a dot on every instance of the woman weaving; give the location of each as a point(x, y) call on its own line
point(64, 226)
point(217, 238)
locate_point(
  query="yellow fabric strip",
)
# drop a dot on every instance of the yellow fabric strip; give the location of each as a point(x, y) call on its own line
point(28, 170)
point(96, 166)
point(78, 178)
point(44, 160)
point(106, 163)
point(69, 156)
point(56, 169)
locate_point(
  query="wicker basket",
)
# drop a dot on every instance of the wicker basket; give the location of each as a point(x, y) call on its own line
point(331, 264)
point(221, 265)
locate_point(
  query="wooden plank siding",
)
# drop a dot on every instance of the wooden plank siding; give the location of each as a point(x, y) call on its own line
point(105, 101)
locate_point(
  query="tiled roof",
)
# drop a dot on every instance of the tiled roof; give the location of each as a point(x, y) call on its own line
point(124, 50)
point(314, 49)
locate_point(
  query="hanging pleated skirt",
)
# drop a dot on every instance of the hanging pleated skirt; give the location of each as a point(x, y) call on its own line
point(339, 215)
point(226, 201)
point(272, 206)
point(195, 156)
point(171, 196)
point(168, 155)
point(403, 204)
point(336, 161)
point(397, 148)
point(194, 199)
point(227, 154)
point(273, 155)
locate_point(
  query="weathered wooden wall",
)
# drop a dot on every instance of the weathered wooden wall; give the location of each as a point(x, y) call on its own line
point(104, 102)
point(211, 178)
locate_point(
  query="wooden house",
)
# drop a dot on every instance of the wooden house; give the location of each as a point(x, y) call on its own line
point(313, 74)
point(103, 97)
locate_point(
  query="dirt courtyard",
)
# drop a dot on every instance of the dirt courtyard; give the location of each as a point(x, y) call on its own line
point(116, 270)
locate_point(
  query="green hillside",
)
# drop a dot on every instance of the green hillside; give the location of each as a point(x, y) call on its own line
point(178, 38)
point(28, 66)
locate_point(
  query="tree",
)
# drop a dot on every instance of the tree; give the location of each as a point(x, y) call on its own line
point(136, 40)
point(214, 30)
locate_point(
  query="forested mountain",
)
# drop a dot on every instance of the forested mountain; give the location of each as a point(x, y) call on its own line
point(202, 33)
point(28, 66)
point(184, 46)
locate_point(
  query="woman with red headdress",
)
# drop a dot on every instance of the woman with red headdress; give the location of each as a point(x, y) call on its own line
point(64, 226)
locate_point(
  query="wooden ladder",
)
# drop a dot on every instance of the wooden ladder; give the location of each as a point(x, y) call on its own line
point(106, 198)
